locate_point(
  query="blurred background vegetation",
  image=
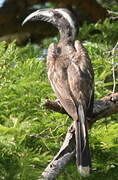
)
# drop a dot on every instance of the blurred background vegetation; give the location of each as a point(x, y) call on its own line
point(30, 135)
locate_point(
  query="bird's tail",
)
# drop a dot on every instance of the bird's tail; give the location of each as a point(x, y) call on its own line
point(83, 159)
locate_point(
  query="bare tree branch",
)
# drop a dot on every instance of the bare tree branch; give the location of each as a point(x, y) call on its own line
point(59, 162)
point(102, 108)
point(113, 64)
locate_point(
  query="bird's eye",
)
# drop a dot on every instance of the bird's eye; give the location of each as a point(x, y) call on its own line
point(57, 15)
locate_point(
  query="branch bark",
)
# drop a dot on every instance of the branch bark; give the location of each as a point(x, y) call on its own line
point(102, 108)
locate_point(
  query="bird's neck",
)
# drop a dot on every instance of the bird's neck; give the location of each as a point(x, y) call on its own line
point(65, 39)
point(66, 34)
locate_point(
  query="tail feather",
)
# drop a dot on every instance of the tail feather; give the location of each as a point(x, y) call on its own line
point(83, 159)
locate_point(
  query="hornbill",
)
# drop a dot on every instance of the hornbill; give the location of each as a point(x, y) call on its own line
point(71, 76)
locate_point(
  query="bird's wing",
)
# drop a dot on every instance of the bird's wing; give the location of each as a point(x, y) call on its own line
point(58, 77)
point(80, 76)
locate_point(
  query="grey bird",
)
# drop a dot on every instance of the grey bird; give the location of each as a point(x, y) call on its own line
point(71, 76)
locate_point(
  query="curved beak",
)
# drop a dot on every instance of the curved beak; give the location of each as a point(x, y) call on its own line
point(41, 14)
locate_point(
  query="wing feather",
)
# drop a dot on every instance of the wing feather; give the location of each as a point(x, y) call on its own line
point(58, 77)
point(80, 76)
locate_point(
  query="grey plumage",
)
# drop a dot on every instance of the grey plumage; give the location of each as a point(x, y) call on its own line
point(71, 76)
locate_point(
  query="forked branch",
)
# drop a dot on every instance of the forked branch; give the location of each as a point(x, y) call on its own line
point(102, 108)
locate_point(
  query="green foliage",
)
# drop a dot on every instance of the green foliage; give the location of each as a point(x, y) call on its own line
point(29, 134)
point(99, 39)
point(111, 5)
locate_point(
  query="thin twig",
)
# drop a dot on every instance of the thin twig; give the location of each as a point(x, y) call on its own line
point(112, 12)
point(113, 69)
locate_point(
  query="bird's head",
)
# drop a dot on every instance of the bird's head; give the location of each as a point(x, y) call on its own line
point(63, 19)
